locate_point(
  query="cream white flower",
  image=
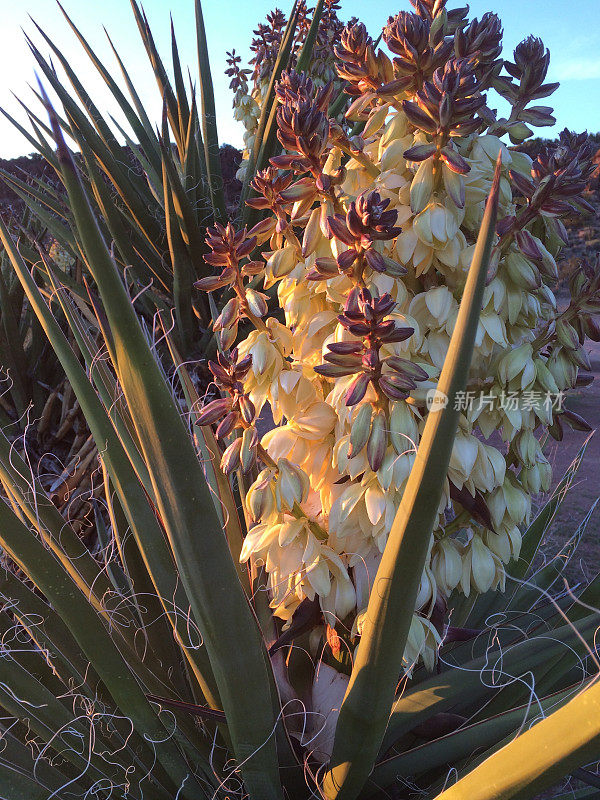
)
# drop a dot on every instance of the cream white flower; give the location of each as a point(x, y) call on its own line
point(334, 550)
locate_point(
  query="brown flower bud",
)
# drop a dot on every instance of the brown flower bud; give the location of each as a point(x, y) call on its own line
point(408, 36)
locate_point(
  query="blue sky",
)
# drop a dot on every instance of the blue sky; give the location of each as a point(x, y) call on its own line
point(569, 29)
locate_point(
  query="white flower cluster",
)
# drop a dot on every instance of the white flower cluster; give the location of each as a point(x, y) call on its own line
point(343, 445)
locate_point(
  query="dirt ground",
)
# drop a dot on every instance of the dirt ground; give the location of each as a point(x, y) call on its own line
point(586, 487)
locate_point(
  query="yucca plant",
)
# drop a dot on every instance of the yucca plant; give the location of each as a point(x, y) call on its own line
point(155, 195)
point(311, 52)
point(162, 669)
point(39, 410)
point(128, 698)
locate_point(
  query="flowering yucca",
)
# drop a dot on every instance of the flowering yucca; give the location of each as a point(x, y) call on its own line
point(371, 238)
point(250, 86)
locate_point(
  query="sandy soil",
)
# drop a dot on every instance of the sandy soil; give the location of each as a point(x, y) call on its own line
point(586, 487)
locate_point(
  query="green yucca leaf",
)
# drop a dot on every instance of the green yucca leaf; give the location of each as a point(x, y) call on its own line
point(183, 270)
point(38, 144)
point(578, 794)
point(160, 73)
point(459, 688)
point(145, 269)
point(93, 638)
point(140, 123)
point(209, 121)
point(378, 662)
point(224, 500)
point(311, 37)
point(153, 177)
point(12, 352)
point(147, 554)
point(27, 680)
point(130, 188)
point(535, 533)
point(30, 196)
point(540, 756)
point(17, 759)
point(15, 784)
point(140, 513)
point(49, 633)
point(161, 630)
point(43, 514)
point(93, 112)
point(27, 189)
point(69, 551)
point(204, 563)
point(183, 109)
point(116, 574)
point(453, 747)
point(101, 377)
point(186, 215)
point(544, 578)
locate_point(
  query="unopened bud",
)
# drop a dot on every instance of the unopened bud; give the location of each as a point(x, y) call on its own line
point(292, 485)
point(281, 262)
point(526, 447)
point(545, 471)
point(257, 302)
point(519, 132)
point(361, 428)
point(516, 500)
point(530, 479)
point(214, 411)
point(446, 565)
point(260, 499)
point(404, 433)
point(228, 315)
point(375, 121)
point(454, 185)
point(248, 449)
point(482, 566)
point(544, 376)
point(312, 233)
point(580, 358)
point(567, 335)
point(377, 444)
point(421, 187)
point(522, 272)
point(231, 457)
point(247, 409)
point(226, 425)
point(562, 368)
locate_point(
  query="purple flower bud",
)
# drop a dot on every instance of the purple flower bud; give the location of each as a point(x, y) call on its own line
point(357, 389)
point(377, 444)
point(230, 459)
point(214, 411)
point(346, 259)
point(247, 409)
point(227, 425)
point(375, 260)
point(420, 152)
point(345, 347)
point(391, 390)
point(334, 370)
point(454, 161)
